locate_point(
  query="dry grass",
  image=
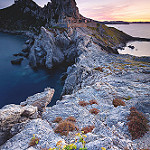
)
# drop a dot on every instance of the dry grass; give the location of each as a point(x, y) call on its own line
point(88, 129)
point(71, 119)
point(138, 124)
point(65, 127)
point(93, 102)
point(94, 111)
point(118, 102)
point(99, 69)
point(34, 141)
point(83, 103)
point(58, 119)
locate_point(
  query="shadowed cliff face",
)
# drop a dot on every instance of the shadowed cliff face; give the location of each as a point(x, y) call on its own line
point(26, 14)
point(21, 15)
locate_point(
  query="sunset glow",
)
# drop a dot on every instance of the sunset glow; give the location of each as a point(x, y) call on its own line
point(107, 10)
point(114, 10)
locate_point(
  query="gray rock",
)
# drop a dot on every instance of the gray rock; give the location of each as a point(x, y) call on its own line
point(10, 115)
point(12, 120)
point(41, 129)
point(39, 100)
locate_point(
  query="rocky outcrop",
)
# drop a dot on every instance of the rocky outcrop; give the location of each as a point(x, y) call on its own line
point(13, 118)
point(56, 45)
point(17, 61)
point(11, 115)
point(21, 16)
point(40, 128)
point(27, 15)
point(103, 77)
point(40, 100)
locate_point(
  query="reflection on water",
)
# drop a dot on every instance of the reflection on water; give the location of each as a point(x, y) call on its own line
point(141, 49)
point(136, 30)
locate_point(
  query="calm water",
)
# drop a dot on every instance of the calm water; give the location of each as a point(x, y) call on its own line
point(19, 82)
point(136, 30)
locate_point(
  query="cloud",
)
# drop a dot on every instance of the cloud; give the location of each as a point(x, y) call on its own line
point(106, 12)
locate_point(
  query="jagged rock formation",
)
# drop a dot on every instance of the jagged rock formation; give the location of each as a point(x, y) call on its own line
point(56, 45)
point(21, 16)
point(120, 76)
point(95, 75)
point(27, 15)
point(13, 118)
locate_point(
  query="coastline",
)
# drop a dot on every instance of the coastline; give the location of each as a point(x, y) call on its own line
point(118, 76)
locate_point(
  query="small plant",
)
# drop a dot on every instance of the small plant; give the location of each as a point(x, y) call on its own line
point(34, 141)
point(71, 119)
point(81, 139)
point(118, 102)
point(93, 102)
point(94, 111)
point(64, 127)
point(138, 124)
point(88, 129)
point(58, 119)
point(128, 98)
point(83, 103)
point(99, 69)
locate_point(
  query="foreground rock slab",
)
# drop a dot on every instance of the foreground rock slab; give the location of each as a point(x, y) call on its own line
point(40, 100)
point(41, 129)
point(11, 115)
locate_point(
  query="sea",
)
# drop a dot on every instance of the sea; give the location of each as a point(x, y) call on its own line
point(136, 30)
point(18, 82)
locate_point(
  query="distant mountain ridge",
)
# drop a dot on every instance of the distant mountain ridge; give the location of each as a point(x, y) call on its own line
point(26, 14)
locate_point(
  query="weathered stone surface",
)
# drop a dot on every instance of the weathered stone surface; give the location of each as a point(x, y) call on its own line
point(12, 117)
point(39, 100)
point(41, 129)
point(119, 77)
point(10, 114)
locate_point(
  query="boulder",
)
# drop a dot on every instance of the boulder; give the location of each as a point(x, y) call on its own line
point(40, 100)
point(12, 115)
point(17, 61)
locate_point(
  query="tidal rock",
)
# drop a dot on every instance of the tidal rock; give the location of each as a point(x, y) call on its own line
point(17, 61)
point(131, 46)
point(24, 54)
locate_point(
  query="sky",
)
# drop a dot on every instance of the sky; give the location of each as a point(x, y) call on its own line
point(107, 10)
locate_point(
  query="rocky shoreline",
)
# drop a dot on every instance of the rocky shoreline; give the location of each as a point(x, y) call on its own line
point(97, 75)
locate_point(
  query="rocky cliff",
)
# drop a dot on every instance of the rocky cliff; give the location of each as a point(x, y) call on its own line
point(100, 86)
point(95, 81)
point(56, 45)
point(27, 15)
